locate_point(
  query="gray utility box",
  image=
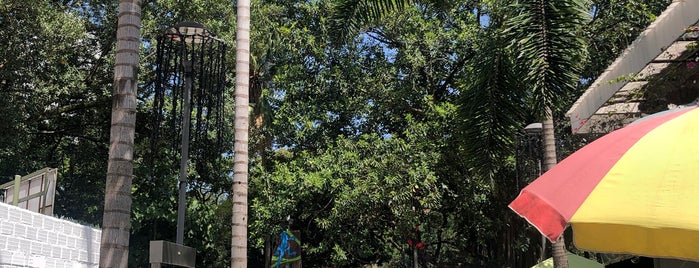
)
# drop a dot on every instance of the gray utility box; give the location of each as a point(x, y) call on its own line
point(168, 253)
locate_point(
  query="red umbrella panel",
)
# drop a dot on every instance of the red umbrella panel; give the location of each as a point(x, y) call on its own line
point(635, 190)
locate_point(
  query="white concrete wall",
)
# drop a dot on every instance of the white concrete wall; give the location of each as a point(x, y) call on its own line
point(29, 239)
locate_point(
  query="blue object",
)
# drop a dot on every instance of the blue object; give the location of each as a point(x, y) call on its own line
point(284, 249)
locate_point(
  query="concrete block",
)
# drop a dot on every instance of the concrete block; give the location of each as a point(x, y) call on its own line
point(24, 245)
point(37, 262)
point(65, 253)
point(74, 254)
point(55, 252)
point(5, 257)
point(12, 244)
point(15, 215)
point(46, 249)
point(49, 222)
point(38, 221)
point(35, 248)
point(26, 218)
point(53, 238)
point(20, 230)
point(4, 211)
point(18, 260)
point(58, 227)
point(82, 256)
point(6, 228)
point(51, 263)
point(32, 233)
point(97, 236)
point(77, 230)
point(72, 242)
point(43, 236)
point(62, 240)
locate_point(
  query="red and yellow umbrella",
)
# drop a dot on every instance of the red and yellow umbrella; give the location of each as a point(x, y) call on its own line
point(635, 190)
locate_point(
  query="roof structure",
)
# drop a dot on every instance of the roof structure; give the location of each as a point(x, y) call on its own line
point(658, 71)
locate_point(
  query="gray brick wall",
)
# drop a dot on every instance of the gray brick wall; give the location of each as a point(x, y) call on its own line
point(29, 239)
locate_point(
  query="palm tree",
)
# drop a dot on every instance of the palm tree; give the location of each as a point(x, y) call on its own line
point(114, 245)
point(239, 226)
point(545, 35)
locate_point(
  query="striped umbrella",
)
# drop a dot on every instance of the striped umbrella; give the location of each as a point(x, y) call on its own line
point(635, 190)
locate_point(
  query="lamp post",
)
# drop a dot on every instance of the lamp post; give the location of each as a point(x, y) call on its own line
point(534, 129)
point(188, 33)
point(534, 132)
point(185, 55)
point(190, 69)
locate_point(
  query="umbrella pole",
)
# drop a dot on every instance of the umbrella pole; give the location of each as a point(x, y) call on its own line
point(415, 264)
point(543, 248)
point(543, 237)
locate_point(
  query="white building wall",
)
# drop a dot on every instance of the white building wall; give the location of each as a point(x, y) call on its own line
point(29, 239)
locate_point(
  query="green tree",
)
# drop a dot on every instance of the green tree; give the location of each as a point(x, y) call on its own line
point(612, 26)
point(357, 90)
point(56, 79)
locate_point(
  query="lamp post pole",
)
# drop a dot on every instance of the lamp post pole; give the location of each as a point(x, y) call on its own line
point(186, 116)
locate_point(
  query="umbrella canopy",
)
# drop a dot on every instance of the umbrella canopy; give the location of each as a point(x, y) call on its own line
point(574, 261)
point(635, 190)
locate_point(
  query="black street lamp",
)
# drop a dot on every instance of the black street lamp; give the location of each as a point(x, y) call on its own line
point(190, 76)
point(190, 69)
point(189, 33)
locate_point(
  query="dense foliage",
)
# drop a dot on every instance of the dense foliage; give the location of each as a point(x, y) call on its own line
point(370, 141)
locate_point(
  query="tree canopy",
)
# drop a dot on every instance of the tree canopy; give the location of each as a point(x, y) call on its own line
point(370, 143)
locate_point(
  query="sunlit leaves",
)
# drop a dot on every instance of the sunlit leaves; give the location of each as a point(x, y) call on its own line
point(351, 192)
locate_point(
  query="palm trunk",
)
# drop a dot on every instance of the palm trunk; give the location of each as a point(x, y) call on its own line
point(239, 219)
point(560, 259)
point(114, 245)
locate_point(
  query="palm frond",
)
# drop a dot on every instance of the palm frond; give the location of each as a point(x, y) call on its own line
point(350, 16)
point(547, 43)
point(491, 106)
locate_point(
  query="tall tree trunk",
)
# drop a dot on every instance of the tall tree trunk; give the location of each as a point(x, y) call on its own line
point(560, 259)
point(116, 220)
point(239, 219)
